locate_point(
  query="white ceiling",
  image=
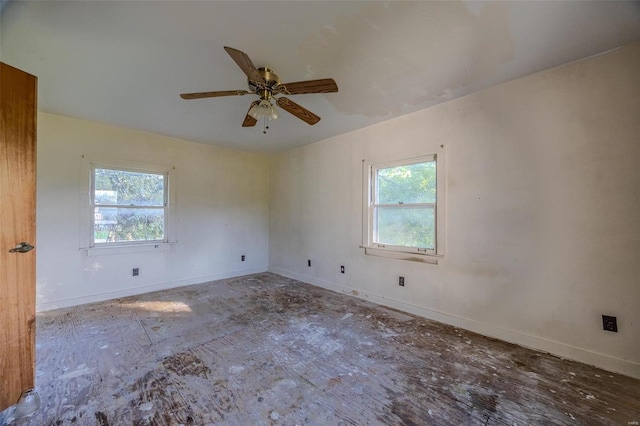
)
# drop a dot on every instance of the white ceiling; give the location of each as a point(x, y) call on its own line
point(126, 62)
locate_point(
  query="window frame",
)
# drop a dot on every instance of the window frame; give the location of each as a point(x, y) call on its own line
point(87, 236)
point(373, 205)
point(369, 180)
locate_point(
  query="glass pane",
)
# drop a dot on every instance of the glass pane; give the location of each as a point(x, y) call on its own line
point(113, 224)
point(128, 188)
point(414, 183)
point(409, 227)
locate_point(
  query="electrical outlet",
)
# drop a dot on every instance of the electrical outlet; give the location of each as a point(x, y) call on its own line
point(242, 258)
point(309, 262)
point(609, 323)
point(401, 281)
point(135, 272)
point(342, 269)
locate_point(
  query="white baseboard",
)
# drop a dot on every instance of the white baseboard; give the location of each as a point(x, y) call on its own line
point(100, 297)
point(606, 362)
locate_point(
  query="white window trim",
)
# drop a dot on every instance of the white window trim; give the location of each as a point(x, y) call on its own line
point(401, 252)
point(86, 207)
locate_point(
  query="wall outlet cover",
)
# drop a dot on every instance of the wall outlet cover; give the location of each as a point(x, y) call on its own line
point(609, 323)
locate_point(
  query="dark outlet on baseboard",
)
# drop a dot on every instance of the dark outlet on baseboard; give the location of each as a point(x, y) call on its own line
point(342, 269)
point(401, 281)
point(242, 258)
point(136, 272)
point(609, 323)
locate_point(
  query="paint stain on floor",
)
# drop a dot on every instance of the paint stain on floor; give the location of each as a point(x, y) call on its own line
point(186, 364)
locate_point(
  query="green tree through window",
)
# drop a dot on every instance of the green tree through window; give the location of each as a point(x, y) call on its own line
point(404, 205)
point(128, 206)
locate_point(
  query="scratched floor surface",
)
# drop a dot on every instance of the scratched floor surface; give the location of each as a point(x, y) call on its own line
point(268, 350)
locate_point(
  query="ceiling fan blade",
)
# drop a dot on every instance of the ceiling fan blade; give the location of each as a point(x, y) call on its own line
point(245, 64)
point(325, 85)
point(219, 93)
point(249, 121)
point(300, 112)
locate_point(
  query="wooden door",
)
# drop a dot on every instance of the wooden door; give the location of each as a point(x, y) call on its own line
point(17, 224)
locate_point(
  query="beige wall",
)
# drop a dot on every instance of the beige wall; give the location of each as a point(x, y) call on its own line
point(543, 201)
point(543, 195)
point(222, 213)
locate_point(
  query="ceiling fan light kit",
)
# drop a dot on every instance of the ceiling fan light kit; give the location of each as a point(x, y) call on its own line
point(264, 109)
point(265, 83)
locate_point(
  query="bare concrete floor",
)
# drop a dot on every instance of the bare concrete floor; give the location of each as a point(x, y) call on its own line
point(268, 350)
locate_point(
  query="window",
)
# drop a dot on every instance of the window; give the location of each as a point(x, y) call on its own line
point(402, 209)
point(129, 206)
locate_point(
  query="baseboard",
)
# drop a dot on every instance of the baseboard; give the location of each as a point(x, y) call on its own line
point(100, 297)
point(606, 362)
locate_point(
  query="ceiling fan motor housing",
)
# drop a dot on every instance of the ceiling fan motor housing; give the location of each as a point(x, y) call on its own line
point(271, 82)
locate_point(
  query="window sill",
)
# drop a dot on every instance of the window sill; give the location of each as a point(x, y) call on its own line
point(126, 249)
point(401, 255)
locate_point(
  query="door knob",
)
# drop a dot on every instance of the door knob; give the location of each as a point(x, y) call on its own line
point(22, 248)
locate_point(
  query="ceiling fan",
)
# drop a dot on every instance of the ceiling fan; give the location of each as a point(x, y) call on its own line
point(266, 84)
